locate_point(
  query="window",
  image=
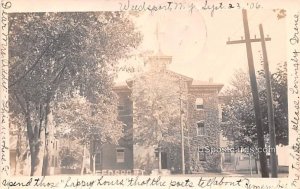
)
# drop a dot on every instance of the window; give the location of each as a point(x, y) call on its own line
point(97, 158)
point(200, 128)
point(224, 116)
point(120, 155)
point(201, 154)
point(199, 103)
point(227, 157)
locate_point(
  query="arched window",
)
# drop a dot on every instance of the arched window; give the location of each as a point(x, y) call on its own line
point(199, 103)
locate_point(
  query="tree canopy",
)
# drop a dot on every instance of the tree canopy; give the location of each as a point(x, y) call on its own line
point(54, 56)
point(86, 121)
point(239, 110)
point(156, 98)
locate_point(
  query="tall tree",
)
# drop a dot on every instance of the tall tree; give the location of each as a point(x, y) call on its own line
point(88, 121)
point(55, 54)
point(156, 97)
point(239, 113)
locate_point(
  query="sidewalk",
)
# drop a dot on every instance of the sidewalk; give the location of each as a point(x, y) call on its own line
point(230, 174)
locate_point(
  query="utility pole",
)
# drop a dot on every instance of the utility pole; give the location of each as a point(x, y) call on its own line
point(188, 135)
point(182, 131)
point(271, 122)
point(258, 117)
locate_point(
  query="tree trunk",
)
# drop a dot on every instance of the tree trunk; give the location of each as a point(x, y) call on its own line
point(45, 161)
point(33, 146)
point(83, 159)
point(159, 160)
point(31, 140)
point(36, 135)
point(18, 153)
point(38, 156)
point(94, 163)
point(46, 149)
point(256, 167)
point(250, 164)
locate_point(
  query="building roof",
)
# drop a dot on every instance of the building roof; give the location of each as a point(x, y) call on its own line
point(206, 84)
point(180, 75)
point(193, 83)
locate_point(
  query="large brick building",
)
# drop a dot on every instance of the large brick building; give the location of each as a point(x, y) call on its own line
point(201, 123)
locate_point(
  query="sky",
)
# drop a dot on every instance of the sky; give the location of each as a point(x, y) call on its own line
point(197, 42)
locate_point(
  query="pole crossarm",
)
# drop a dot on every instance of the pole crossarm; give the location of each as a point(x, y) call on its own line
point(244, 41)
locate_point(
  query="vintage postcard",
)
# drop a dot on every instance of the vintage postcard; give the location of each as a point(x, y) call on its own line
point(150, 94)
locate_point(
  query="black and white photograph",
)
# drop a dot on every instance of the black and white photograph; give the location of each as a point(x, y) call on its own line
point(149, 93)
